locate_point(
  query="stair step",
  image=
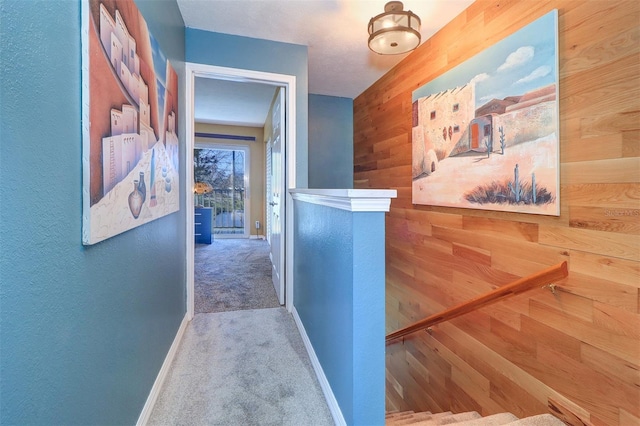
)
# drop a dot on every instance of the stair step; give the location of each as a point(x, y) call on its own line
point(448, 419)
point(458, 418)
point(431, 419)
point(409, 419)
point(492, 420)
point(471, 418)
point(539, 420)
point(398, 417)
point(392, 414)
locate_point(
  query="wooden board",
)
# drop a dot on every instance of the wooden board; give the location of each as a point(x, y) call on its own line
point(576, 353)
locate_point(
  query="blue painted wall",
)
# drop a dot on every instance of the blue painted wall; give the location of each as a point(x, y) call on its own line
point(209, 48)
point(330, 142)
point(369, 318)
point(84, 330)
point(339, 296)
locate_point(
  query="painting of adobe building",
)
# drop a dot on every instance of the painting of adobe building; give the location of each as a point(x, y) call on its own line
point(130, 122)
point(485, 134)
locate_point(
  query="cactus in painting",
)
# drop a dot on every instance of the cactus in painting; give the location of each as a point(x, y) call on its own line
point(515, 186)
point(533, 188)
point(503, 142)
point(489, 145)
point(511, 192)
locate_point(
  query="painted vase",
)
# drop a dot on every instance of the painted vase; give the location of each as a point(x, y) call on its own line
point(142, 187)
point(135, 200)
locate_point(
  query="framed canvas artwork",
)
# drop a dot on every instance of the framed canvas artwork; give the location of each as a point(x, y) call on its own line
point(130, 149)
point(485, 133)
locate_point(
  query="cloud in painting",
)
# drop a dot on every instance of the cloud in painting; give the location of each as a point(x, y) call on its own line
point(480, 77)
point(536, 74)
point(521, 56)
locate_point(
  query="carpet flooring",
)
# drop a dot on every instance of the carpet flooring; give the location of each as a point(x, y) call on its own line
point(245, 367)
point(232, 275)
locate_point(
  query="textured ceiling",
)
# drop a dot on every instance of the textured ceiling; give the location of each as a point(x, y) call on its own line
point(335, 31)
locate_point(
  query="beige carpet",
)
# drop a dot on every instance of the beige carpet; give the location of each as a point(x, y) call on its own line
point(242, 360)
point(242, 368)
point(232, 275)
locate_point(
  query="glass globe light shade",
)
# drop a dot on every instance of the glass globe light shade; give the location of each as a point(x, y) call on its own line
point(395, 31)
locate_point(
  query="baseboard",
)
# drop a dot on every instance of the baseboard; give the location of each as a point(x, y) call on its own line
point(256, 237)
point(336, 413)
point(164, 370)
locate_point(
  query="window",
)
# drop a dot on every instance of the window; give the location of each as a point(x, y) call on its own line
point(225, 169)
point(433, 115)
point(487, 129)
point(456, 107)
point(456, 129)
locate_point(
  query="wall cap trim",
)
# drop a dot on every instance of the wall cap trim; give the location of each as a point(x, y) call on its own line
point(353, 200)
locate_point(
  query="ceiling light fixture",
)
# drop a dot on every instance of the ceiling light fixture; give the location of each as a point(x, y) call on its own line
point(395, 31)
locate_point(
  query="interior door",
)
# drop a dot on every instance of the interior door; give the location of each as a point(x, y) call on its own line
point(277, 194)
point(268, 191)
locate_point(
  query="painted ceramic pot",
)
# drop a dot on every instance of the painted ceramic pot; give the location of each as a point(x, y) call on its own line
point(135, 200)
point(142, 187)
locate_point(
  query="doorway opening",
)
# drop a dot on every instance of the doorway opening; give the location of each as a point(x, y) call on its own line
point(288, 85)
point(225, 169)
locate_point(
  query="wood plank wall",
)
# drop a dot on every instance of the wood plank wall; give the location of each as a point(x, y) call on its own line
point(575, 353)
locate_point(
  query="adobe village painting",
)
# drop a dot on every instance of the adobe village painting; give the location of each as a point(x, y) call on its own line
point(485, 134)
point(130, 122)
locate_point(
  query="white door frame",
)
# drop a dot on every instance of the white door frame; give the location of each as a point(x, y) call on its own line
point(194, 70)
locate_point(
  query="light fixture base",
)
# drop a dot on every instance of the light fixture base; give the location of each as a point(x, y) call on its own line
point(393, 6)
point(395, 31)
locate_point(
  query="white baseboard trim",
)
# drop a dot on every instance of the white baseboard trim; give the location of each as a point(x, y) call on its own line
point(157, 385)
point(334, 408)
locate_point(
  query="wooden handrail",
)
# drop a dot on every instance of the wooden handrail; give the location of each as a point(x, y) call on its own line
point(542, 278)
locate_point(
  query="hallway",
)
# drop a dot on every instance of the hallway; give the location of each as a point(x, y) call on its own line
point(233, 274)
point(246, 366)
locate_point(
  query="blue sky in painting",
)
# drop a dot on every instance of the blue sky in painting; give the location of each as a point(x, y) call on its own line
point(160, 68)
point(159, 60)
point(524, 61)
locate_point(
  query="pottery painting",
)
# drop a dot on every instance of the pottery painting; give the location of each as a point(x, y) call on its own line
point(485, 134)
point(130, 122)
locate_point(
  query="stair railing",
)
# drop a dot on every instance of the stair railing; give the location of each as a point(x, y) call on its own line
point(542, 278)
